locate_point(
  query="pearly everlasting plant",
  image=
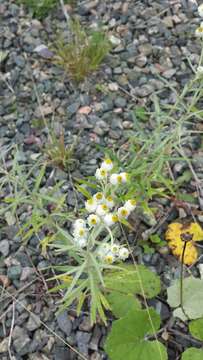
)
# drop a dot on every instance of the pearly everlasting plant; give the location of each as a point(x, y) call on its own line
point(93, 243)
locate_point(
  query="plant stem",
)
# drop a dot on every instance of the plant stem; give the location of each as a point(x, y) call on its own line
point(181, 279)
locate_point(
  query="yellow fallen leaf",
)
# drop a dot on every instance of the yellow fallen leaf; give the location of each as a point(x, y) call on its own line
point(175, 235)
point(197, 232)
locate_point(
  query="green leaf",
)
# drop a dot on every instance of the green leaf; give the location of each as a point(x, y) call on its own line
point(127, 337)
point(192, 298)
point(147, 249)
point(155, 239)
point(196, 328)
point(185, 177)
point(121, 304)
point(141, 113)
point(192, 354)
point(132, 279)
point(187, 197)
point(83, 191)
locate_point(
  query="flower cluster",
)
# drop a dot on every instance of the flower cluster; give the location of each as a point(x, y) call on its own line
point(104, 172)
point(199, 30)
point(101, 205)
point(111, 253)
point(103, 210)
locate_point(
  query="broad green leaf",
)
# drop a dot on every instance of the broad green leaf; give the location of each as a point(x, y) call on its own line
point(132, 279)
point(192, 354)
point(121, 304)
point(192, 298)
point(196, 328)
point(127, 339)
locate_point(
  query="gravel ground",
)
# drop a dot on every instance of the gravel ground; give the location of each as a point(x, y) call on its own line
point(150, 38)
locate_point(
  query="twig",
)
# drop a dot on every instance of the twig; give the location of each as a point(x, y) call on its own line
point(11, 331)
point(65, 12)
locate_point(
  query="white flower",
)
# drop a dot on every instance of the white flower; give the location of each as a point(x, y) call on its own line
point(115, 179)
point(124, 177)
point(109, 202)
point(199, 31)
point(123, 213)
point(200, 10)
point(107, 165)
point(80, 232)
point(110, 219)
point(98, 197)
point(200, 70)
point(121, 178)
point(103, 250)
point(115, 249)
point(90, 205)
point(101, 174)
point(123, 253)
point(102, 209)
point(130, 205)
point(79, 223)
point(93, 220)
point(82, 242)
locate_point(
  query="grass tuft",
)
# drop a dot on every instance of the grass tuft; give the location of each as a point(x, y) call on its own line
point(84, 53)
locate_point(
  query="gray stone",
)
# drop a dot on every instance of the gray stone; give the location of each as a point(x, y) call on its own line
point(120, 102)
point(14, 272)
point(26, 272)
point(21, 341)
point(4, 345)
point(72, 109)
point(83, 339)
point(144, 90)
point(4, 247)
point(85, 325)
point(33, 323)
point(168, 21)
point(169, 73)
point(141, 60)
point(64, 322)
point(145, 49)
point(61, 353)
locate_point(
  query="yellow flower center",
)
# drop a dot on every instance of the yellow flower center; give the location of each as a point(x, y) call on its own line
point(108, 161)
point(109, 198)
point(93, 221)
point(119, 179)
point(124, 212)
point(200, 29)
point(90, 201)
point(133, 202)
point(81, 232)
point(114, 218)
point(99, 196)
point(109, 259)
point(104, 207)
point(103, 172)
